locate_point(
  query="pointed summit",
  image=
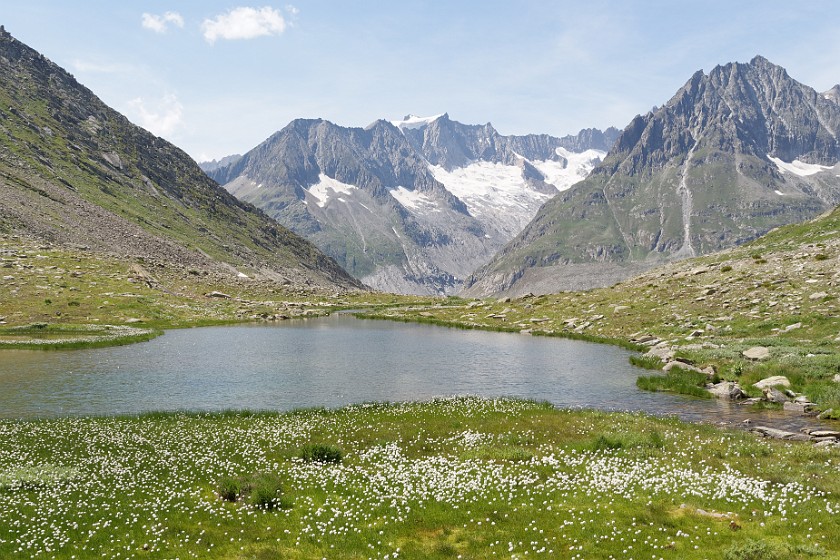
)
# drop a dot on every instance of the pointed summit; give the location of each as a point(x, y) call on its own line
point(735, 153)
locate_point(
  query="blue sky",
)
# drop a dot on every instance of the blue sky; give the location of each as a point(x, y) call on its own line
point(218, 77)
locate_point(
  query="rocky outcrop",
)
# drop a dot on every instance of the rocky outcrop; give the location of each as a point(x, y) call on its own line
point(735, 153)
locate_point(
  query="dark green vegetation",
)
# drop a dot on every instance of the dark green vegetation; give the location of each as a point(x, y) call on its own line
point(676, 380)
point(467, 477)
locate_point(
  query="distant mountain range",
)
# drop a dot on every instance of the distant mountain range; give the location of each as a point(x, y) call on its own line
point(410, 206)
point(76, 173)
point(735, 153)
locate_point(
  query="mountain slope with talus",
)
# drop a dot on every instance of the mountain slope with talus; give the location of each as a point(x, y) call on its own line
point(410, 206)
point(735, 153)
point(76, 173)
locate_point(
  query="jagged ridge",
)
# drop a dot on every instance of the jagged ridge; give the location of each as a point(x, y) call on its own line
point(690, 178)
point(376, 199)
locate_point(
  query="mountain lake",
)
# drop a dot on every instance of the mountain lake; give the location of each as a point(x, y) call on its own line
point(335, 361)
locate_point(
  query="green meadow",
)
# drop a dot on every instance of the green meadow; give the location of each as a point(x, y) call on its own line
point(449, 478)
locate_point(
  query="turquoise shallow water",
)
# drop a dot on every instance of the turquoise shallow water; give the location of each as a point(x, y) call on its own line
point(332, 362)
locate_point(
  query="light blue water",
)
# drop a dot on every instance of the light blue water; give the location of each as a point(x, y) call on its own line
point(331, 362)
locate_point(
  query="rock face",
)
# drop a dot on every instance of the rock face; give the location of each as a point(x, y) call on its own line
point(75, 172)
point(735, 153)
point(411, 206)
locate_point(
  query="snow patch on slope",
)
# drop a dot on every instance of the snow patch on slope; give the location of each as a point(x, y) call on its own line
point(578, 167)
point(414, 201)
point(327, 188)
point(798, 167)
point(413, 121)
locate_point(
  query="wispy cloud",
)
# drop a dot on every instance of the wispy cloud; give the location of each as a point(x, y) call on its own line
point(244, 23)
point(160, 23)
point(161, 117)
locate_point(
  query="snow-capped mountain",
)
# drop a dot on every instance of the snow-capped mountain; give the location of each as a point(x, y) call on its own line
point(414, 205)
point(735, 153)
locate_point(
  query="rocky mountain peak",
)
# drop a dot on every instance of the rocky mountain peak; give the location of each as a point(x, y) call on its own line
point(833, 94)
point(732, 154)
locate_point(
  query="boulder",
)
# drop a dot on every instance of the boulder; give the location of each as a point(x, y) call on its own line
point(727, 390)
point(756, 353)
point(780, 434)
point(824, 433)
point(215, 294)
point(800, 408)
point(775, 396)
point(772, 382)
point(682, 365)
point(664, 353)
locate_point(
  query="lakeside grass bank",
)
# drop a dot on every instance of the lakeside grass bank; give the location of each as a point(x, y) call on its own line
point(469, 477)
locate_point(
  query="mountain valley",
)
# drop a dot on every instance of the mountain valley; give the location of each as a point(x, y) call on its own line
point(410, 206)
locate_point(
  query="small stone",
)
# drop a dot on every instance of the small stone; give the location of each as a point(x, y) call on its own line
point(817, 295)
point(792, 327)
point(216, 294)
point(825, 414)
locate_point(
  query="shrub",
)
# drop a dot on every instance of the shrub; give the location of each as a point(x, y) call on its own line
point(261, 490)
point(725, 268)
point(266, 492)
point(230, 488)
point(821, 257)
point(606, 443)
point(321, 453)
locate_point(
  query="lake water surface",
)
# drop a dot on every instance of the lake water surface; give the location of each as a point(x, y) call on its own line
point(333, 362)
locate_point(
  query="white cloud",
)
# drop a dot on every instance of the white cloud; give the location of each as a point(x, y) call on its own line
point(159, 24)
point(244, 23)
point(161, 118)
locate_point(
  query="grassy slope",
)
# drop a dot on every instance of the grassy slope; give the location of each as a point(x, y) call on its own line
point(69, 295)
point(465, 478)
point(60, 145)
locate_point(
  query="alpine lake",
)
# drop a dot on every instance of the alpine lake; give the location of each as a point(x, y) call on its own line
point(333, 362)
